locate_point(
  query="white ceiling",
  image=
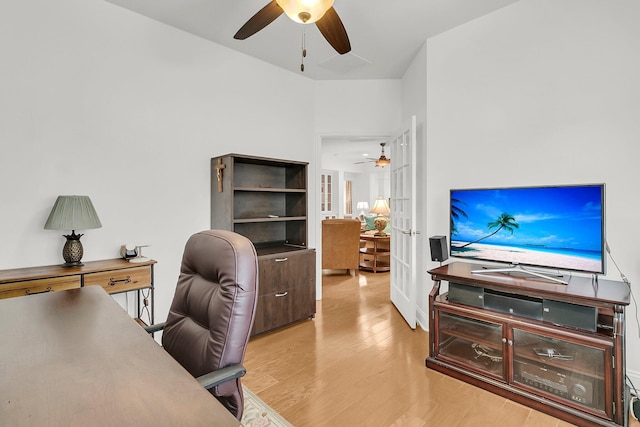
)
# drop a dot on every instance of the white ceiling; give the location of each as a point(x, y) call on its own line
point(385, 35)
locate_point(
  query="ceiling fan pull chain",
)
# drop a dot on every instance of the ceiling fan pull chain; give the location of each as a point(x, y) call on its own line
point(304, 50)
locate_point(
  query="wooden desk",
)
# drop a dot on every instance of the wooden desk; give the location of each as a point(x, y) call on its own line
point(114, 275)
point(76, 358)
point(376, 258)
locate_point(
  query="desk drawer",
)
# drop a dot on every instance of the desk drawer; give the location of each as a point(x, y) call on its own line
point(120, 280)
point(38, 286)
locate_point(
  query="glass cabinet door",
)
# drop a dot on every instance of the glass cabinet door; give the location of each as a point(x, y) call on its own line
point(565, 371)
point(474, 343)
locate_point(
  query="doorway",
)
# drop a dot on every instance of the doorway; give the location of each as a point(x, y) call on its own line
point(347, 157)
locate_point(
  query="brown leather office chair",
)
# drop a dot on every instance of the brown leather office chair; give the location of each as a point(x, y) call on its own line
point(341, 244)
point(212, 312)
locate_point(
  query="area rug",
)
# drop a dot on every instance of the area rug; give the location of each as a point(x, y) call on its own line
point(259, 414)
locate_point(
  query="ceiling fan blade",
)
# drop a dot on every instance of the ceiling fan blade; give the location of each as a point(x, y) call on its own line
point(264, 17)
point(333, 30)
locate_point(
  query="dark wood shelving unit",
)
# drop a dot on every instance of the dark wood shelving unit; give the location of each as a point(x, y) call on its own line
point(265, 200)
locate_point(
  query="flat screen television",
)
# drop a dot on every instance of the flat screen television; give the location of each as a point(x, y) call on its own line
point(553, 227)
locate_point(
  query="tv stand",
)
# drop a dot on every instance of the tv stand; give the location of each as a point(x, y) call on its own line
point(557, 349)
point(517, 268)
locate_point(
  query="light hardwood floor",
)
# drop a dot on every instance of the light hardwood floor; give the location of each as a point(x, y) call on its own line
point(359, 364)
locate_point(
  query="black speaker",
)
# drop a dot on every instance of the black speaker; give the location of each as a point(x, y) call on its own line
point(568, 314)
point(466, 294)
point(439, 250)
point(520, 305)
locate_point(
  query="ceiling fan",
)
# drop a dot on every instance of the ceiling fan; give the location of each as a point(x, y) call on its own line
point(382, 161)
point(304, 12)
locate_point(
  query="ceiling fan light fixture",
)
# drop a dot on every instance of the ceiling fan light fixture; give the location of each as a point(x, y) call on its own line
point(305, 11)
point(382, 162)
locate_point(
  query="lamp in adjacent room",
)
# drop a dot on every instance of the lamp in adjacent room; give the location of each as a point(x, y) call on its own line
point(72, 213)
point(381, 208)
point(362, 206)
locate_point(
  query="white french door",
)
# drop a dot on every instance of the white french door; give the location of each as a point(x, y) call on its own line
point(403, 222)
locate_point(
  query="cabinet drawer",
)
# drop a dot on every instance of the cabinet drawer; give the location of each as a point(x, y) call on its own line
point(30, 287)
point(115, 281)
point(279, 309)
point(285, 271)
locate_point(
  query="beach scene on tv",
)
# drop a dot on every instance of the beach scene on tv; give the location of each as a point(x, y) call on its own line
point(553, 227)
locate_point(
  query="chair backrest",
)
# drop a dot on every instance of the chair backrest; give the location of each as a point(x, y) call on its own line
point(340, 243)
point(213, 308)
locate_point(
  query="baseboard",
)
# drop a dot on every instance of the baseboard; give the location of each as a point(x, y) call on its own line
point(423, 320)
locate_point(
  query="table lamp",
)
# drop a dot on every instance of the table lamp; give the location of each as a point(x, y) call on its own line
point(72, 213)
point(381, 208)
point(363, 206)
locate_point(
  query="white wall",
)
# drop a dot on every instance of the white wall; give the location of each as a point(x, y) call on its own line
point(98, 100)
point(349, 107)
point(542, 92)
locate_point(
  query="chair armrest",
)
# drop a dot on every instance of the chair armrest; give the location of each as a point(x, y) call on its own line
point(154, 328)
point(220, 376)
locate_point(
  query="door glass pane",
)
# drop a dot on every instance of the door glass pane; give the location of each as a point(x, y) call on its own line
point(325, 193)
point(474, 343)
point(565, 370)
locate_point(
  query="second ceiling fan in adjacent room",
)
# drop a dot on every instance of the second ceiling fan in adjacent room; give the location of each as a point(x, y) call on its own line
point(382, 161)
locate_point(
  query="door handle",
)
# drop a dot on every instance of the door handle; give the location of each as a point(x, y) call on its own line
point(410, 232)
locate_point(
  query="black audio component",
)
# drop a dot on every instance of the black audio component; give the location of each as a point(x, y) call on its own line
point(556, 312)
point(520, 305)
point(568, 314)
point(465, 294)
point(439, 249)
point(555, 381)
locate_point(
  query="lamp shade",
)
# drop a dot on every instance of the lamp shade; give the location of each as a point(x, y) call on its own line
point(73, 213)
point(362, 205)
point(380, 207)
point(305, 11)
point(382, 162)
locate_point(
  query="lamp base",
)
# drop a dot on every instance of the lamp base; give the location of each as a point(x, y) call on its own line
point(72, 251)
point(72, 264)
point(380, 223)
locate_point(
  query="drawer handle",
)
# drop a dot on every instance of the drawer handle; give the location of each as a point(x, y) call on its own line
point(113, 282)
point(28, 291)
point(281, 259)
point(283, 294)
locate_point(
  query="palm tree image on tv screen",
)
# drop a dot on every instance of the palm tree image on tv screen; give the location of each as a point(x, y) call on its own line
point(555, 227)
